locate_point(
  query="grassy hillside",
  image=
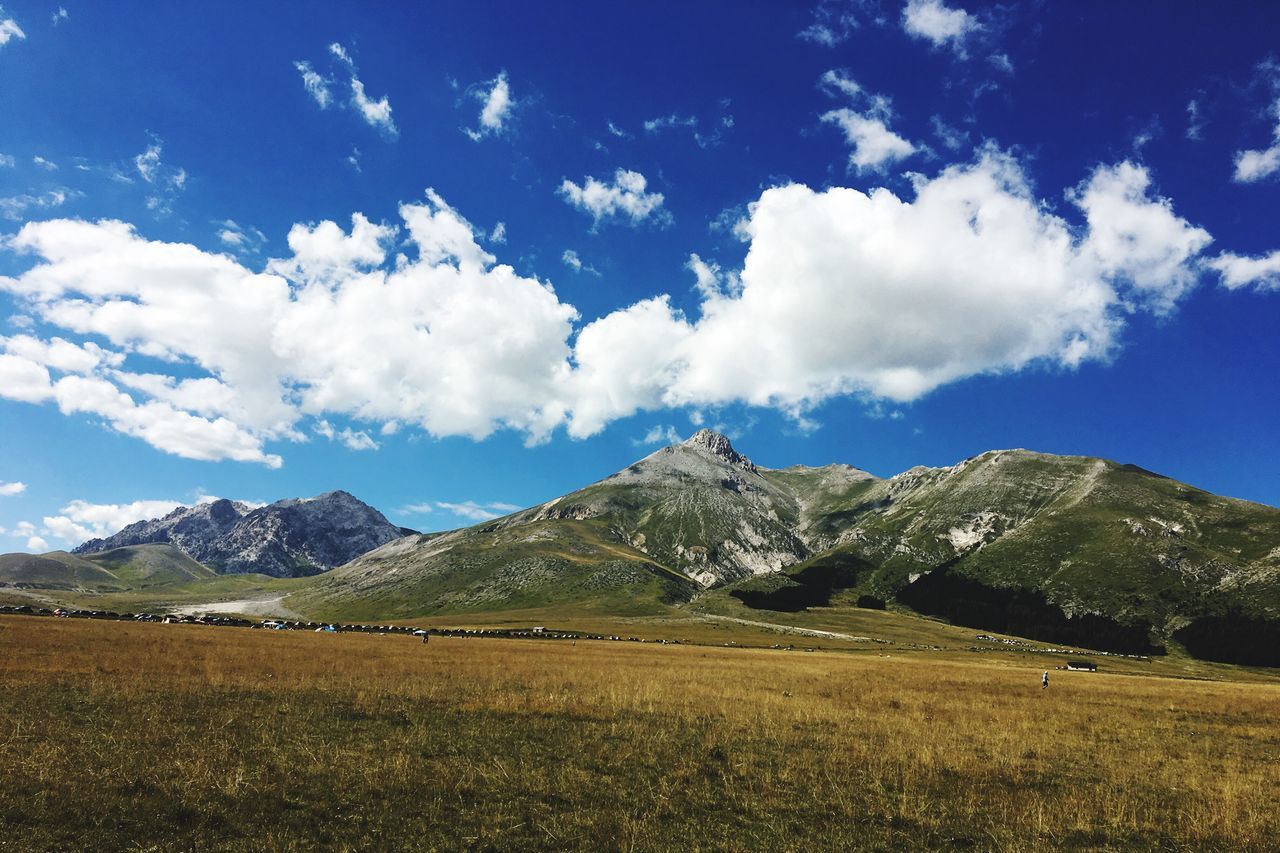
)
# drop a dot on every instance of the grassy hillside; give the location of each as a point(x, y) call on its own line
point(150, 565)
point(56, 570)
point(575, 563)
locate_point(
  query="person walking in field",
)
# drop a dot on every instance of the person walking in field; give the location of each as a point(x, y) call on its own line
point(1044, 680)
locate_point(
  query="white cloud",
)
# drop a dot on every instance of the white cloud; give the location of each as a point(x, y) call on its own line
point(656, 125)
point(416, 509)
point(477, 512)
point(951, 137)
point(8, 161)
point(463, 346)
point(841, 292)
point(498, 104)
point(340, 53)
point(499, 234)
point(60, 15)
point(9, 29)
point(834, 21)
point(850, 293)
point(1237, 271)
point(660, 434)
point(572, 261)
point(1001, 62)
point(8, 490)
point(626, 198)
point(938, 23)
point(351, 439)
point(80, 520)
point(60, 354)
point(1195, 120)
point(317, 85)
point(1256, 164)
point(15, 208)
point(240, 238)
point(375, 112)
point(166, 181)
point(704, 139)
point(353, 160)
point(1139, 240)
point(875, 146)
point(35, 543)
point(1253, 166)
point(47, 165)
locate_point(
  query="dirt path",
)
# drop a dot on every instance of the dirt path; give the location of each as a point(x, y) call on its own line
point(243, 606)
point(791, 629)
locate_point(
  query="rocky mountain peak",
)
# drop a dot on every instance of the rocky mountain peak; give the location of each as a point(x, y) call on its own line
point(291, 537)
point(719, 446)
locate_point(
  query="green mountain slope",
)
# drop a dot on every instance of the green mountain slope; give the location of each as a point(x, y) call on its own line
point(55, 570)
point(1070, 549)
point(150, 565)
point(537, 562)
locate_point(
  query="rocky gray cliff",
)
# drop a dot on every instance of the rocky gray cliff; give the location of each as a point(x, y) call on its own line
point(289, 538)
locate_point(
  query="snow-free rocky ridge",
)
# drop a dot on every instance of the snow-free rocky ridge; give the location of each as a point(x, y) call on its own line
point(289, 538)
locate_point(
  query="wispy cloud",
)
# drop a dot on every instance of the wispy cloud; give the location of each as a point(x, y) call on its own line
point(495, 95)
point(376, 112)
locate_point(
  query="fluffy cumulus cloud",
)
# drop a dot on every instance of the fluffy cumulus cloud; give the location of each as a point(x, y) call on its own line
point(497, 104)
point(626, 198)
point(1239, 271)
point(848, 292)
point(1139, 240)
point(865, 125)
point(8, 490)
point(939, 24)
point(1259, 163)
point(445, 339)
point(842, 292)
point(80, 520)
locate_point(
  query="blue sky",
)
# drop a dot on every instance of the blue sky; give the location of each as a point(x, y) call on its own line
point(460, 258)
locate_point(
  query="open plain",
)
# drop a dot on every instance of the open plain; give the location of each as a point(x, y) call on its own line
point(149, 736)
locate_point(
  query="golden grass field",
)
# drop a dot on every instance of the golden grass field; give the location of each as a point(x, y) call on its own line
point(146, 736)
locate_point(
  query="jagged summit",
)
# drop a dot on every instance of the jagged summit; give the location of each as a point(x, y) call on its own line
point(718, 445)
point(291, 537)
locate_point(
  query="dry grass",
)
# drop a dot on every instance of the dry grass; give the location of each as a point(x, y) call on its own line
point(187, 737)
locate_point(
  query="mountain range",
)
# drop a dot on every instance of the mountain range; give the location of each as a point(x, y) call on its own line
point(1067, 549)
point(289, 538)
